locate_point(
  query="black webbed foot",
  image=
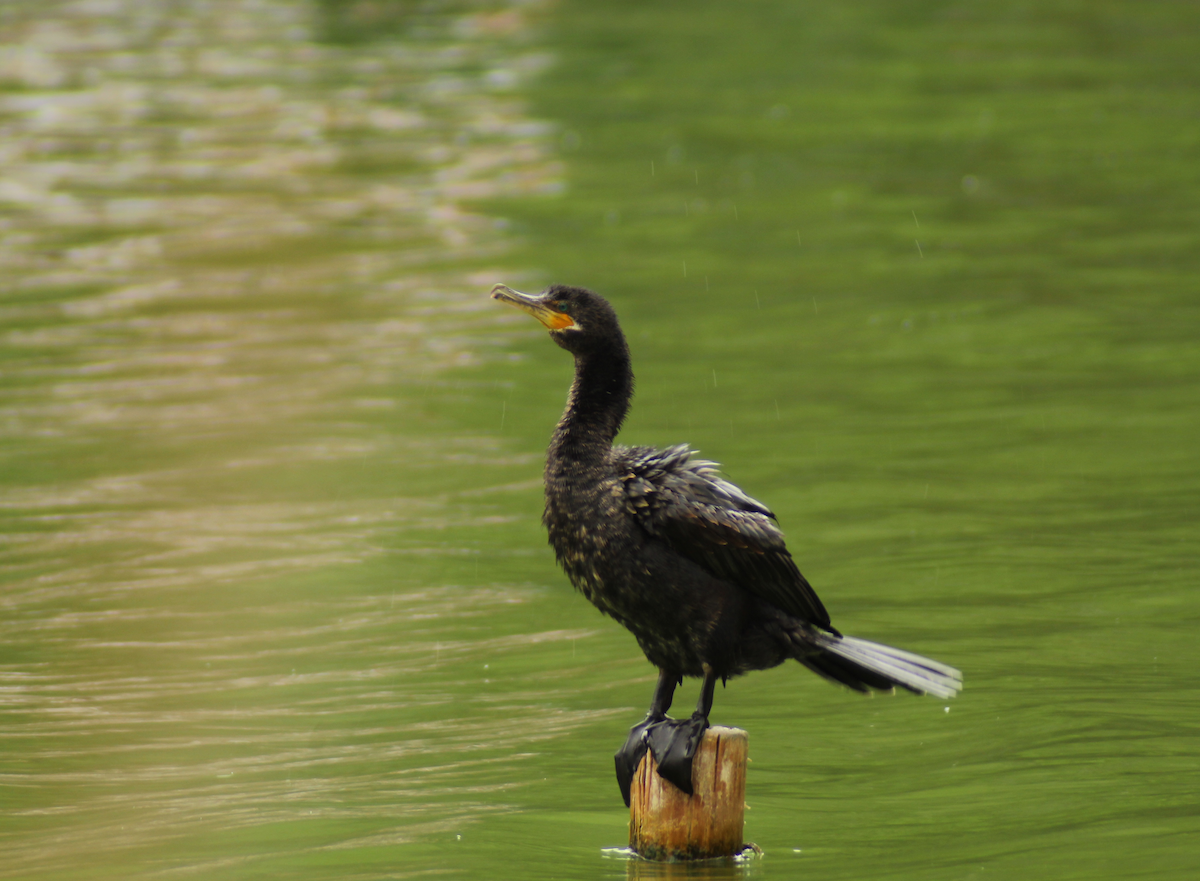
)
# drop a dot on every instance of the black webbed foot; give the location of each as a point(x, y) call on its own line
point(673, 744)
point(630, 755)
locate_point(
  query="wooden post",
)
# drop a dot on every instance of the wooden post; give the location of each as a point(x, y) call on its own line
point(667, 824)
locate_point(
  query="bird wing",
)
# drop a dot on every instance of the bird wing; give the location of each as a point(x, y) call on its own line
point(686, 504)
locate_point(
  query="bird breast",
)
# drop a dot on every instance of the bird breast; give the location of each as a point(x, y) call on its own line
point(591, 536)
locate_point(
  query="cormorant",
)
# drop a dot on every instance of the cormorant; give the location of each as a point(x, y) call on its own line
point(692, 566)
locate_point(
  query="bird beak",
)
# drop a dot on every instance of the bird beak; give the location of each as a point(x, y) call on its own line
point(552, 318)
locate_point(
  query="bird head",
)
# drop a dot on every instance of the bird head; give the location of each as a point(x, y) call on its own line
point(578, 320)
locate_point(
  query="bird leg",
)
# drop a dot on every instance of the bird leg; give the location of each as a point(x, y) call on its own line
point(672, 742)
point(630, 755)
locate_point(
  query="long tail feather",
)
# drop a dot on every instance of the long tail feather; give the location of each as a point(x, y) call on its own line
point(860, 662)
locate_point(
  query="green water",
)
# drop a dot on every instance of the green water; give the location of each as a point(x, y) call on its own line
point(275, 598)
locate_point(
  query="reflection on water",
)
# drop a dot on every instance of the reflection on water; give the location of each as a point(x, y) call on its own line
point(207, 213)
point(227, 245)
point(745, 865)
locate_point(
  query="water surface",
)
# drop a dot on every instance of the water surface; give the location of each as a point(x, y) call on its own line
point(276, 601)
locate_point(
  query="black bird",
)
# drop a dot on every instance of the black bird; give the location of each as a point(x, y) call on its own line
point(692, 566)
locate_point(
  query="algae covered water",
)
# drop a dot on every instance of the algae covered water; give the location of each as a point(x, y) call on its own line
point(276, 600)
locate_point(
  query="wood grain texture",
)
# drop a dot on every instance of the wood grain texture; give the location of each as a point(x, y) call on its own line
point(667, 824)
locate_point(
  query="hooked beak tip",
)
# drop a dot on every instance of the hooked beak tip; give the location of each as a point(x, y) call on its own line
point(535, 306)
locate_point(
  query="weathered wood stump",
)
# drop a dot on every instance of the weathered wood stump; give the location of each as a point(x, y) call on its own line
point(667, 824)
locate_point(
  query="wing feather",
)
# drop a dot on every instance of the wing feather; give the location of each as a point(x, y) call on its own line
point(684, 502)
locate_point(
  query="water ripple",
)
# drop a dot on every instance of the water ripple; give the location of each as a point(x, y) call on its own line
point(237, 262)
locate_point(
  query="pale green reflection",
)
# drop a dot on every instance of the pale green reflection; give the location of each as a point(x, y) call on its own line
point(243, 607)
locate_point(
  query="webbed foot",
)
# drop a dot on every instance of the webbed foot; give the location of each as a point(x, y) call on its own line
point(673, 744)
point(630, 755)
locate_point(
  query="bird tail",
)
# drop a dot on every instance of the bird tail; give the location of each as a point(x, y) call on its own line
point(863, 665)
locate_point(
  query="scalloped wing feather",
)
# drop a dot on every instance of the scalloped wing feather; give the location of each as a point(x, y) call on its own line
point(700, 515)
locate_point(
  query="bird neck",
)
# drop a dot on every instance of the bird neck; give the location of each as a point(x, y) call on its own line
point(597, 404)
